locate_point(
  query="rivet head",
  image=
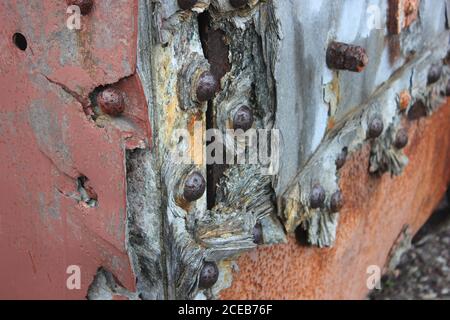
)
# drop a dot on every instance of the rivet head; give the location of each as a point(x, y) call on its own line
point(243, 118)
point(111, 101)
point(208, 275)
point(206, 86)
point(376, 127)
point(401, 139)
point(341, 158)
point(258, 234)
point(336, 202)
point(194, 187)
point(434, 73)
point(187, 4)
point(238, 3)
point(317, 197)
point(84, 5)
point(342, 56)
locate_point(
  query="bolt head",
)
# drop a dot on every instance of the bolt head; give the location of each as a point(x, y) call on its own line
point(111, 101)
point(317, 197)
point(187, 4)
point(258, 234)
point(84, 5)
point(208, 275)
point(336, 202)
point(401, 139)
point(434, 73)
point(376, 127)
point(243, 119)
point(341, 158)
point(342, 56)
point(238, 3)
point(194, 187)
point(206, 86)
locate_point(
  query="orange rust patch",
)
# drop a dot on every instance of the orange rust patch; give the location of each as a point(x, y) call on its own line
point(374, 214)
point(404, 99)
point(402, 13)
point(411, 11)
point(331, 123)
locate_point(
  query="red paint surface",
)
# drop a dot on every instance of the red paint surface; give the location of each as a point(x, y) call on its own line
point(47, 142)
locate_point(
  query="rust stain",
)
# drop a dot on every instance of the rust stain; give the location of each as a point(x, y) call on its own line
point(215, 46)
point(171, 114)
point(401, 14)
point(197, 132)
point(404, 100)
point(411, 11)
point(84, 40)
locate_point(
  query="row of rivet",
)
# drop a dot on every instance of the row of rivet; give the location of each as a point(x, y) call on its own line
point(195, 184)
point(347, 57)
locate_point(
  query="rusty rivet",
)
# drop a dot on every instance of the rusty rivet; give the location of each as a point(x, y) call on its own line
point(342, 56)
point(206, 86)
point(84, 5)
point(194, 187)
point(208, 275)
point(111, 101)
point(258, 234)
point(317, 197)
point(187, 4)
point(401, 139)
point(238, 3)
point(341, 158)
point(243, 118)
point(434, 73)
point(336, 202)
point(376, 127)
